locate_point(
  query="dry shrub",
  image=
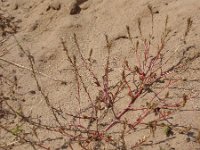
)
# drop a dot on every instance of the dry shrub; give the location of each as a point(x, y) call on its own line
point(114, 108)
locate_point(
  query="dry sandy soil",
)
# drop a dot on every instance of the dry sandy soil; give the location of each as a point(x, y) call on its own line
point(39, 25)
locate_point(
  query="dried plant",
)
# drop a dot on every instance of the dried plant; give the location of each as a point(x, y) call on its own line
point(7, 25)
point(116, 108)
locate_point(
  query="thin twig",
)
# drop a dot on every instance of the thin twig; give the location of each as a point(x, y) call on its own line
point(29, 69)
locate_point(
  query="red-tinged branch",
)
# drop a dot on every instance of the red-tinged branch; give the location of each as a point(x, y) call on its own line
point(140, 118)
point(118, 117)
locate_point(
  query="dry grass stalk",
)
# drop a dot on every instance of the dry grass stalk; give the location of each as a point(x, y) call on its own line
point(92, 126)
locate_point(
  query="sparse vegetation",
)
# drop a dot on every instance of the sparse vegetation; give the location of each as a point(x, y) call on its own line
point(109, 110)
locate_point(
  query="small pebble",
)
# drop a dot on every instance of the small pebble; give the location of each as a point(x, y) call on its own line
point(34, 26)
point(156, 12)
point(54, 6)
point(32, 92)
point(85, 6)
point(15, 6)
point(74, 8)
point(188, 139)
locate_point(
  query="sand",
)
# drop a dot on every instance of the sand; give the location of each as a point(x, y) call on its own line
point(39, 25)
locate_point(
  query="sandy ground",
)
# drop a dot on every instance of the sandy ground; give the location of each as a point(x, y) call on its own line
point(42, 23)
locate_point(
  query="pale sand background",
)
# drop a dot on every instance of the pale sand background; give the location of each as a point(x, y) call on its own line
point(40, 32)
